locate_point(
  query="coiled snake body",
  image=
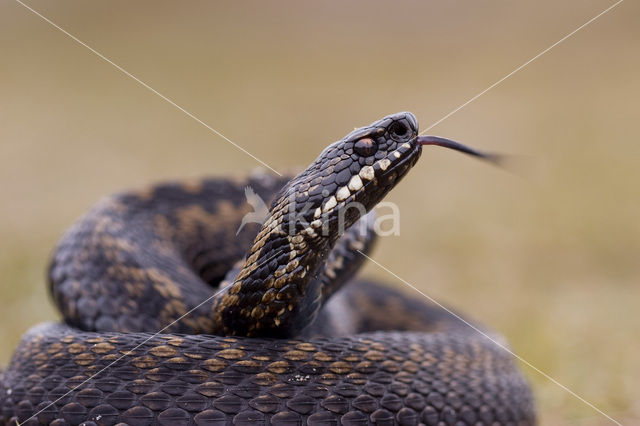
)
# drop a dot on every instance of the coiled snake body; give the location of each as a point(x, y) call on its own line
point(254, 327)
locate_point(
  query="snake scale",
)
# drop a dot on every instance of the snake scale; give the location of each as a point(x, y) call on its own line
point(258, 327)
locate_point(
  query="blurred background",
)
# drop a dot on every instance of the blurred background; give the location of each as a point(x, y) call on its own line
point(548, 256)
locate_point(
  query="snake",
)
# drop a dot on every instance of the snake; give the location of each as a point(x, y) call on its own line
point(220, 301)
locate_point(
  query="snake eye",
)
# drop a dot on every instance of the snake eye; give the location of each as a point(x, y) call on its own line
point(398, 129)
point(365, 147)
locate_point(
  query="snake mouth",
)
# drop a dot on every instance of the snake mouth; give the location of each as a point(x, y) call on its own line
point(400, 167)
point(384, 177)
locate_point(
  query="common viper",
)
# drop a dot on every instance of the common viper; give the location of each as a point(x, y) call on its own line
point(171, 318)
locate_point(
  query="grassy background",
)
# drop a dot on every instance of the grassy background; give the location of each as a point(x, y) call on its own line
point(550, 260)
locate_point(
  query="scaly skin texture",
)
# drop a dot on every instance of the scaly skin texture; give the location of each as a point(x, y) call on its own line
point(141, 260)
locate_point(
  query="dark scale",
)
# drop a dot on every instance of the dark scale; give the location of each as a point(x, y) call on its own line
point(354, 354)
point(343, 177)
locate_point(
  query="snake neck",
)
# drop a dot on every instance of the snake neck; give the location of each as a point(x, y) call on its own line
point(277, 292)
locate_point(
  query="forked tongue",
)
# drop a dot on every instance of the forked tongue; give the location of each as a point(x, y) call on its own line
point(457, 146)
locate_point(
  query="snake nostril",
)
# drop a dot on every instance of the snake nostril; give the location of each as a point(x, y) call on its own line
point(399, 129)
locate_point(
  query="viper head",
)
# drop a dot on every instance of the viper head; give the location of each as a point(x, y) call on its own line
point(353, 174)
